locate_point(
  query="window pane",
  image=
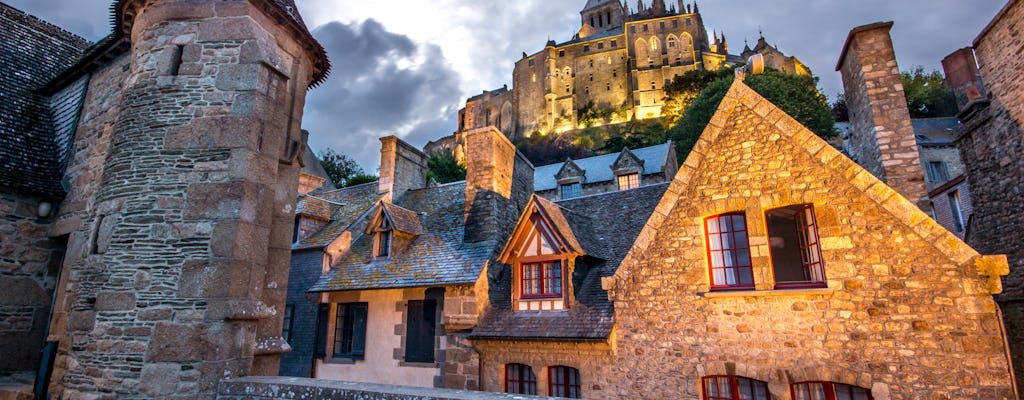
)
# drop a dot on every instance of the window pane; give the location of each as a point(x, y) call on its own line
point(716, 259)
point(716, 242)
point(712, 226)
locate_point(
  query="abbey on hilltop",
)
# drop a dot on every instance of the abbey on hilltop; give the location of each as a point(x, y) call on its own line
point(618, 63)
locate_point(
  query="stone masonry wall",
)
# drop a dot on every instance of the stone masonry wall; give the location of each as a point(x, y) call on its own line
point(881, 135)
point(593, 360)
point(180, 239)
point(29, 263)
point(907, 312)
point(991, 143)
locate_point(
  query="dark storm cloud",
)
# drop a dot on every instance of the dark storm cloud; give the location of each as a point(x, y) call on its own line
point(382, 84)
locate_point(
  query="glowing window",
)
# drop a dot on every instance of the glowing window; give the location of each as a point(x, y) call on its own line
point(629, 181)
point(796, 253)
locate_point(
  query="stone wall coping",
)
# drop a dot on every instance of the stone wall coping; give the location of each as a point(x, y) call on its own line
point(768, 293)
point(284, 387)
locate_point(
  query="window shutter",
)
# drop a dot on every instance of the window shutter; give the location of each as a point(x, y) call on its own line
point(420, 332)
point(322, 315)
point(358, 315)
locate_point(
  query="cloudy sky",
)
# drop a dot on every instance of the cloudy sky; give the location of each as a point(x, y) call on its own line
point(405, 67)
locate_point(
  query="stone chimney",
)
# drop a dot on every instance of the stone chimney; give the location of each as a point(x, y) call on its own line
point(881, 134)
point(402, 167)
point(499, 181)
point(962, 75)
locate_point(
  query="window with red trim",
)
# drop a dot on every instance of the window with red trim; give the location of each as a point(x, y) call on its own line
point(795, 250)
point(540, 264)
point(727, 387)
point(542, 280)
point(564, 382)
point(729, 252)
point(520, 379)
point(828, 391)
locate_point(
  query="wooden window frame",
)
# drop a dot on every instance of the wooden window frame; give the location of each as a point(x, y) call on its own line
point(631, 183)
point(734, 387)
point(566, 388)
point(557, 258)
point(736, 250)
point(829, 394)
point(808, 248)
point(522, 382)
point(383, 233)
point(289, 322)
point(345, 337)
point(561, 190)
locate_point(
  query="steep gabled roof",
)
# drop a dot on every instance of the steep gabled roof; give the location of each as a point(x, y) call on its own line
point(605, 224)
point(437, 257)
point(740, 98)
point(572, 230)
point(347, 205)
point(402, 220)
point(32, 52)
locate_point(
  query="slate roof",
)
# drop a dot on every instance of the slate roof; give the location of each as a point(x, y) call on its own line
point(599, 168)
point(614, 220)
point(437, 256)
point(935, 131)
point(347, 205)
point(117, 42)
point(595, 3)
point(403, 220)
point(32, 52)
point(313, 167)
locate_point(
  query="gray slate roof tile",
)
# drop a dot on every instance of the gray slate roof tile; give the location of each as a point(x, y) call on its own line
point(599, 168)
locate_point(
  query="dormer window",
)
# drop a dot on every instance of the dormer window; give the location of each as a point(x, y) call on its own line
point(382, 239)
point(629, 181)
point(540, 264)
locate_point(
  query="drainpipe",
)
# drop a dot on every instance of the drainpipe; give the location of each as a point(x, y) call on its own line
point(1006, 349)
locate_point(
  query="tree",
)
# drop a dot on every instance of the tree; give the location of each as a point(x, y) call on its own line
point(684, 88)
point(797, 95)
point(927, 94)
point(442, 167)
point(361, 179)
point(839, 109)
point(339, 167)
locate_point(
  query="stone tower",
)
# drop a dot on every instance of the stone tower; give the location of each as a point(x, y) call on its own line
point(180, 221)
point(881, 134)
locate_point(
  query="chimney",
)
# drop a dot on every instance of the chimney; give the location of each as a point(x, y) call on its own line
point(499, 181)
point(961, 69)
point(881, 134)
point(402, 167)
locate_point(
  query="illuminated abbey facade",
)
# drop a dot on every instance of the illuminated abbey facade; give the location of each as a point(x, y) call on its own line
point(617, 65)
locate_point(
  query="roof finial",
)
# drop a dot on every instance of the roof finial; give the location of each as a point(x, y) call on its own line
point(696, 9)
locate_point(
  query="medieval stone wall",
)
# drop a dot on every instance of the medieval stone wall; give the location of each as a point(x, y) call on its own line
point(907, 312)
point(949, 155)
point(180, 239)
point(990, 143)
point(273, 388)
point(29, 263)
point(593, 360)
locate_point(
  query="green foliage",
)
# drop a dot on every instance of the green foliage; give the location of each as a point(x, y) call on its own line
point(442, 167)
point(684, 88)
point(361, 179)
point(339, 167)
point(927, 94)
point(797, 95)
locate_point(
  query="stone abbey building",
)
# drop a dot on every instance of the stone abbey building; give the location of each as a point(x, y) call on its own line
point(618, 63)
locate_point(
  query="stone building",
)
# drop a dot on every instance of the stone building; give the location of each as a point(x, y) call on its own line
point(163, 162)
point(628, 169)
point(991, 141)
point(617, 64)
